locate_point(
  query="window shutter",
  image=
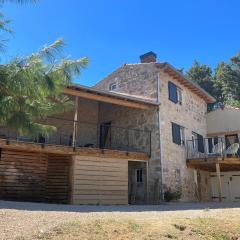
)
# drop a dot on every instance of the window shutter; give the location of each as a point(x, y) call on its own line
point(200, 143)
point(172, 92)
point(176, 133)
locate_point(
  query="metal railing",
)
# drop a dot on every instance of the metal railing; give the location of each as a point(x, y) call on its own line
point(213, 147)
point(89, 135)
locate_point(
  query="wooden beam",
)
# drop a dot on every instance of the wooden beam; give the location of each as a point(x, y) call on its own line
point(107, 99)
point(74, 135)
point(81, 151)
point(219, 184)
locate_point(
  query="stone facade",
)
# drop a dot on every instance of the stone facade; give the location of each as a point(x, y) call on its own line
point(141, 80)
point(144, 120)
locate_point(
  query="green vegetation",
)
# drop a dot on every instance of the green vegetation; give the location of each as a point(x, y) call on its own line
point(223, 83)
point(172, 195)
point(31, 87)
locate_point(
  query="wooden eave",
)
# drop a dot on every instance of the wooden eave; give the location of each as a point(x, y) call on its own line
point(112, 98)
point(171, 71)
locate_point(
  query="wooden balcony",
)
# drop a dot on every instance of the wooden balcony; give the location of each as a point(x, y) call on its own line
point(91, 140)
point(204, 154)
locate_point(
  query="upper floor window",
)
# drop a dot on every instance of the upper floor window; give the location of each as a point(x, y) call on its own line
point(178, 134)
point(174, 93)
point(113, 86)
point(179, 95)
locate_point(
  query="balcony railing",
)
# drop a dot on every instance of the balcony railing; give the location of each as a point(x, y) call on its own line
point(220, 147)
point(89, 135)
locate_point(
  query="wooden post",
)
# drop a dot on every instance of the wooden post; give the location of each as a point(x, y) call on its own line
point(219, 185)
point(74, 135)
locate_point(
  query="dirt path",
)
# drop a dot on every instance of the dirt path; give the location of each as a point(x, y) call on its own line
point(27, 219)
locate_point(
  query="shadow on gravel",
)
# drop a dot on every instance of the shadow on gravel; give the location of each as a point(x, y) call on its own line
point(114, 208)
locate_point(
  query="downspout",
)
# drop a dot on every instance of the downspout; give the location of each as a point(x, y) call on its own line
point(160, 138)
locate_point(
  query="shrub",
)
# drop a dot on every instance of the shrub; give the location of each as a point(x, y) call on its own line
point(171, 195)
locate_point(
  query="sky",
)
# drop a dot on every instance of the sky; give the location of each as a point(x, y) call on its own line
point(111, 33)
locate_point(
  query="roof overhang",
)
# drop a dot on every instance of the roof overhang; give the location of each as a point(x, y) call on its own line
point(109, 97)
point(194, 87)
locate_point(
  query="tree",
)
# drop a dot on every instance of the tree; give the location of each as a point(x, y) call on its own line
point(226, 80)
point(202, 74)
point(31, 88)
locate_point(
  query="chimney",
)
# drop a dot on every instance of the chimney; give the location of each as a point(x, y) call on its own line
point(149, 57)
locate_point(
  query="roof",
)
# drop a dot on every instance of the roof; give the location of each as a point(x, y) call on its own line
point(111, 97)
point(173, 72)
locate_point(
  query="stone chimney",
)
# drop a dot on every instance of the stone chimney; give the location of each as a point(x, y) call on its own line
point(149, 57)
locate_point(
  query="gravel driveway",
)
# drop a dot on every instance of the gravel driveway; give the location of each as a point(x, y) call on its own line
point(27, 219)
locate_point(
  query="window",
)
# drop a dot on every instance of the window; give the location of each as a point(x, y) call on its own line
point(174, 93)
point(182, 134)
point(178, 134)
point(194, 140)
point(179, 95)
point(139, 175)
point(112, 86)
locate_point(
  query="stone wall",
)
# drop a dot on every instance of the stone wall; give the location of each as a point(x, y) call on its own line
point(190, 115)
point(141, 80)
point(130, 79)
point(144, 120)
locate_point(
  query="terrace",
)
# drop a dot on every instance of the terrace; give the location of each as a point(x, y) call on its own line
point(101, 138)
point(205, 153)
point(100, 123)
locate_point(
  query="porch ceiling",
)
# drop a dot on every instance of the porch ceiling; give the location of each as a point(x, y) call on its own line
point(110, 97)
point(227, 164)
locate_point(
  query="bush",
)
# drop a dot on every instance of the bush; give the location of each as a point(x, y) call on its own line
point(170, 195)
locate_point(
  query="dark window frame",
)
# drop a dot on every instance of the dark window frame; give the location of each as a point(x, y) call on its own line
point(111, 86)
point(178, 134)
point(175, 93)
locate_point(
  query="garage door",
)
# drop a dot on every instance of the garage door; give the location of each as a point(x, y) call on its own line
point(230, 186)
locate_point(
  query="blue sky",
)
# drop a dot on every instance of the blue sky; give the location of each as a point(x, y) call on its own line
point(112, 32)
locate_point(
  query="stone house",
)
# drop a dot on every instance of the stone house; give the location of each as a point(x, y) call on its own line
point(141, 131)
point(180, 116)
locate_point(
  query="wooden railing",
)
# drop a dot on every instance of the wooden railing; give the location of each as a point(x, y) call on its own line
point(212, 147)
point(88, 135)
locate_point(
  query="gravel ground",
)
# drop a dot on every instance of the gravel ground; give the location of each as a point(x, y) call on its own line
point(21, 219)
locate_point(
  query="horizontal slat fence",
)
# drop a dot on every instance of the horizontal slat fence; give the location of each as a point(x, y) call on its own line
point(100, 181)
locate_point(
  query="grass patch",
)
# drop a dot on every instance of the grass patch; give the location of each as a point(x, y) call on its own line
point(191, 229)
